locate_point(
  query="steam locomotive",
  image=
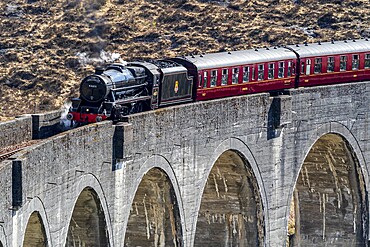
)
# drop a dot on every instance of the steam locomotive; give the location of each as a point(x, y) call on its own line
point(121, 89)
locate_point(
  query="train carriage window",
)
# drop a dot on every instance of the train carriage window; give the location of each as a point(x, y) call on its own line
point(367, 61)
point(289, 72)
point(318, 65)
point(224, 77)
point(200, 80)
point(355, 62)
point(308, 66)
point(271, 72)
point(261, 72)
point(253, 74)
point(246, 71)
point(303, 68)
point(331, 64)
point(235, 77)
point(213, 78)
point(205, 79)
point(281, 70)
point(343, 63)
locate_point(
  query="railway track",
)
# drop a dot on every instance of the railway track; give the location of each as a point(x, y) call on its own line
point(4, 156)
point(7, 152)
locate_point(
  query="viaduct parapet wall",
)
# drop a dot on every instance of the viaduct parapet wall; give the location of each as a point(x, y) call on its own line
point(16, 131)
point(30, 127)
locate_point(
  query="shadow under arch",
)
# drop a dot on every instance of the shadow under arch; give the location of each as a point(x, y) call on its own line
point(90, 182)
point(87, 226)
point(156, 212)
point(35, 234)
point(329, 201)
point(232, 205)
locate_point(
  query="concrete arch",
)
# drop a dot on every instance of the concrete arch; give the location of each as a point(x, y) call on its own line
point(341, 135)
point(36, 205)
point(84, 182)
point(238, 146)
point(334, 128)
point(162, 164)
point(342, 130)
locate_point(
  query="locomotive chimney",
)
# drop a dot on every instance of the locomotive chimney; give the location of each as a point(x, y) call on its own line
point(99, 70)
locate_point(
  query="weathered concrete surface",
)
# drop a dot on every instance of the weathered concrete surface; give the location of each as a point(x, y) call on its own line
point(16, 131)
point(52, 183)
point(87, 226)
point(231, 213)
point(29, 127)
point(269, 138)
point(330, 196)
point(154, 215)
point(46, 124)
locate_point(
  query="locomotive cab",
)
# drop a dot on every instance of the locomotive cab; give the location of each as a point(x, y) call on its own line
point(175, 86)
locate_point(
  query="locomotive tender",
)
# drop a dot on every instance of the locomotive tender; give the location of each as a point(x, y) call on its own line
point(121, 89)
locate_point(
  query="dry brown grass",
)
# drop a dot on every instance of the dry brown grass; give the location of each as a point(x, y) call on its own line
point(41, 39)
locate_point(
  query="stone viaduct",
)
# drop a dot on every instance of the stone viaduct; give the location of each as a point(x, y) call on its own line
point(255, 170)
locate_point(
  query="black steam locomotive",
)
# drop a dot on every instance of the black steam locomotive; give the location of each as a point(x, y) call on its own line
point(121, 89)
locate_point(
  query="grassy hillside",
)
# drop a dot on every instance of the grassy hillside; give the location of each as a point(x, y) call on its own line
point(47, 46)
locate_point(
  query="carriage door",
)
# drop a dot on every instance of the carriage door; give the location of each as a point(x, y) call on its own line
point(308, 66)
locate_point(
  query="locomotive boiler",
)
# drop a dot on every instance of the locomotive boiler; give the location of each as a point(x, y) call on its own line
point(121, 89)
point(114, 91)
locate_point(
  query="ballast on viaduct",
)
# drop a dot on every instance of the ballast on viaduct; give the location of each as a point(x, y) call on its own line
point(256, 170)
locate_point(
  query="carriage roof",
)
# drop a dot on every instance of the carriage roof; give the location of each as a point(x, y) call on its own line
point(332, 48)
point(261, 55)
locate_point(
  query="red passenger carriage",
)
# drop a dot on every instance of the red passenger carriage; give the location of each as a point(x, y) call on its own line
point(334, 62)
point(225, 74)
